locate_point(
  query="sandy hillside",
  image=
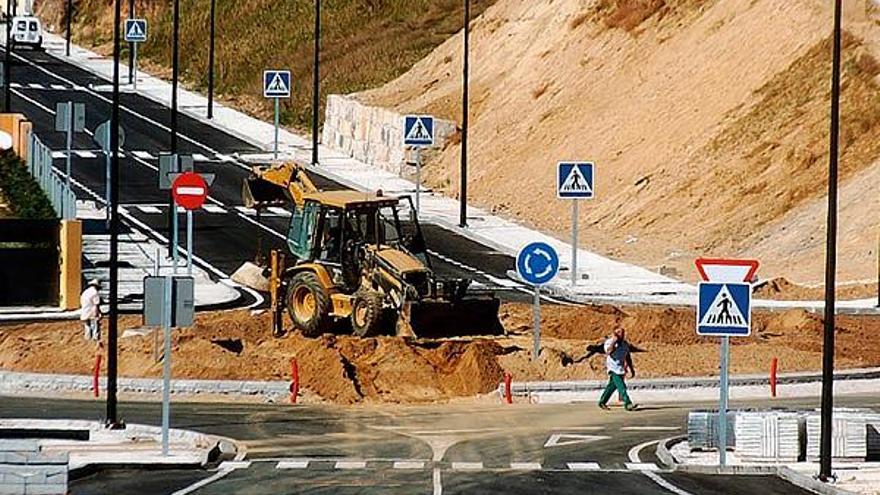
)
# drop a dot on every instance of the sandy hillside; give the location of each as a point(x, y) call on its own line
point(707, 119)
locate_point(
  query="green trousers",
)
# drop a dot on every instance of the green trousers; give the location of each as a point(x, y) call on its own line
point(615, 382)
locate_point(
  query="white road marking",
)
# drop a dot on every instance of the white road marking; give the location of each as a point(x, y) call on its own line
point(15, 85)
point(351, 464)
point(198, 157)
point(649, 428)
point(467, 466)
point(438, 484)
point(150, 210)
point(235, 464)
point(85, 154)
point(58, 86)
point(35, 86)
point(561, 439)
point(656, 478)
point(583, 466)
point(277, 210)
point(214, 209)
point(58, 155)
point(143, 155)
point(224, 158)
point(246, 211)
point(579, 428)
point(642, 466)
point(526, 466)
point(409, 464)
point(202, 483)
point(292, 465)
point(633, 453)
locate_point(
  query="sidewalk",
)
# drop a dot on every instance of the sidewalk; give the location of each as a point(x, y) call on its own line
point(606, 280)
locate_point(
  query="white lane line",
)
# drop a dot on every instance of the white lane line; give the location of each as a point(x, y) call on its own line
point(224, 158)
point(198, 157)
point(351, 464)
point(438, 484)
point(277, 210)
point(143, 155)
point(649, 428)
point(35, 86)
point(58, 155)
point(579, 428)
point(583, 466)
point(633, 453)
point(466, 466)
point(235, 464)
point(214, 209)
point(246, 211)
point(409, 464)
point(15, 85)
point(58, 86)
point(656, 478)
point(292, 465)
point(150, 210)
point(642, 466)
point(526, 466)
point(205, 482)
point(85, 154)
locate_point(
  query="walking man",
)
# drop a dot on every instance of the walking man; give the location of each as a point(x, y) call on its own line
point(90, 311)
point(617, 360)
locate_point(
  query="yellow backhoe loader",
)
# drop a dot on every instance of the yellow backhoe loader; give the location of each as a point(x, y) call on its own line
point(353, 258)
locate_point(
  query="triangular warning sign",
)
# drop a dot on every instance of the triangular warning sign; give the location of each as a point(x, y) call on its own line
point(135, 32)
point(418, 132)
point(724, 312)
point(575, 183)
point(277, 85)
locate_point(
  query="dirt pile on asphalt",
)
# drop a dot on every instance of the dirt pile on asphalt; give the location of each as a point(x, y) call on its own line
point(343, 369)
point(707, 121)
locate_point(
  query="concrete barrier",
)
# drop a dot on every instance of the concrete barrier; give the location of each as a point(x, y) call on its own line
point(25, 470)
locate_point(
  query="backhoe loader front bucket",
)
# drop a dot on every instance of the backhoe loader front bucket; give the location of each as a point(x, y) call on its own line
point(260, 193)
point(469, 316)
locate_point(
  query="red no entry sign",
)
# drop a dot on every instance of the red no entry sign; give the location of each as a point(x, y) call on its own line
point(189, 190)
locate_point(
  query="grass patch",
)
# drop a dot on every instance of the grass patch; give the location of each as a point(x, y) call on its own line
point(365, 43)
point(23, 194)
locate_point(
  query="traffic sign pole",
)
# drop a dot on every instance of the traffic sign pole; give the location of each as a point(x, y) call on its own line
point(418, 152)
point(107, 155)
point(574, 242)
point(133, 79)
point(189, 243)
point(277, 124)
point(722, 402)
point(536, 335)
point(174, 226)
point(69, 147)
point(166, 364)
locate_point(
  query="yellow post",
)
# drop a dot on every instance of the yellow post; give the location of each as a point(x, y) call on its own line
point(70, 244)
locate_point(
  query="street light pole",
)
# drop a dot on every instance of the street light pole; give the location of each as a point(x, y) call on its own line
point(69, 16)
point(112, 417)
point(316, 83)
point(462, 222)
point(211, 62)
point(175, 72)
point(7, 65)
point(830, 259)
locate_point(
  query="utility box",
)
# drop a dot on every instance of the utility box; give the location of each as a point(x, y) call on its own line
point(182, 302)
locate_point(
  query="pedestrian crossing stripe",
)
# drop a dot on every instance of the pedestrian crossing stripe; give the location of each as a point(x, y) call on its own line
point(418, 130)
point(276, 84)
point(724, 309)
point(575, 180)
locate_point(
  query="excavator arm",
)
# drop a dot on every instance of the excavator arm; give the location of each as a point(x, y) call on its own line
point(276, 185)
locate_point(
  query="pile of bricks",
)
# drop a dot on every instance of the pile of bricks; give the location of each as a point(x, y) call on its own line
point(25, 470)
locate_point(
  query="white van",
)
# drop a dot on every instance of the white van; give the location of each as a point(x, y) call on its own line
point(26, 31)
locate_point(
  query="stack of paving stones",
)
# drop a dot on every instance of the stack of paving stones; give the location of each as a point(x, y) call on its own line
point(850, 433)
point(703, 429)
point(769, 435)
point(25, 470)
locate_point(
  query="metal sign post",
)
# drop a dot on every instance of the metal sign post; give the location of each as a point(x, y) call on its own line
point(537, 264)
point(276, 85)
point(189, 243)
point(174, 222)
point(724, 310)
point(190, 191)
point(418, 132)
point(102, 138)
point(574, 181)
point(166, 365)
point(135, 34)
point(70, 117)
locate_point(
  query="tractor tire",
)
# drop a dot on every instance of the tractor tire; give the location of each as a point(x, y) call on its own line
point(309, 305)
point(366, 313)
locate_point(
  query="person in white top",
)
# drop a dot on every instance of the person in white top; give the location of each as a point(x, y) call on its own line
point(90, 311)
point(617, 360)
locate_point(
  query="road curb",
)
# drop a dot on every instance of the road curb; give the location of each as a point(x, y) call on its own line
point(663, 453)
point(810, 483)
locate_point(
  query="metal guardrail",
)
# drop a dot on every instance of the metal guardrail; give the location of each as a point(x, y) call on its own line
point(39, 163)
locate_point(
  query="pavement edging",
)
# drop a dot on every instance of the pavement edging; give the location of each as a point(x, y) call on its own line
point(809, 483)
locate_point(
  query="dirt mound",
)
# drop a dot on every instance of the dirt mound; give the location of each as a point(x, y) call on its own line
point(343, 369)
point(691, 123)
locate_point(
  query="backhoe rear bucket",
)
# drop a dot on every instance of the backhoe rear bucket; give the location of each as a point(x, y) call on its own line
point(472, 316)
point(253, 276)
point(260, 193)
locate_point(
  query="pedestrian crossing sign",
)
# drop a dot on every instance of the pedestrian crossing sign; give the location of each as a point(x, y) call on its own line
point(135, 30)
point(276, 84)
point(418, 130)
point(724, 309)
point(574, 180)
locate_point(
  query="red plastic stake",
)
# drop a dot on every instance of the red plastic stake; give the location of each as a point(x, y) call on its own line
point(294, 382)
point(96, 383)
point(508, 396)
point(773, 368)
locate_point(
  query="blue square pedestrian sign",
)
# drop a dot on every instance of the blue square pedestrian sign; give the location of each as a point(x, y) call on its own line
point(276, 84)
point(574, 180)
point(418, 130)
point(724, 309)
point(135, 30)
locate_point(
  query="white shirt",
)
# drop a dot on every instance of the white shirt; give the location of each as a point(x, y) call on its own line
point(88, 302)
point(615, 362)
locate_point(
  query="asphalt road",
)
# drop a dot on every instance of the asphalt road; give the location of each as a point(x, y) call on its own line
point(225, 234)
point(458, 448)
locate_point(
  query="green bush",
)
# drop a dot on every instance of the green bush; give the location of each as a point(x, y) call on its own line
point(22, 192)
